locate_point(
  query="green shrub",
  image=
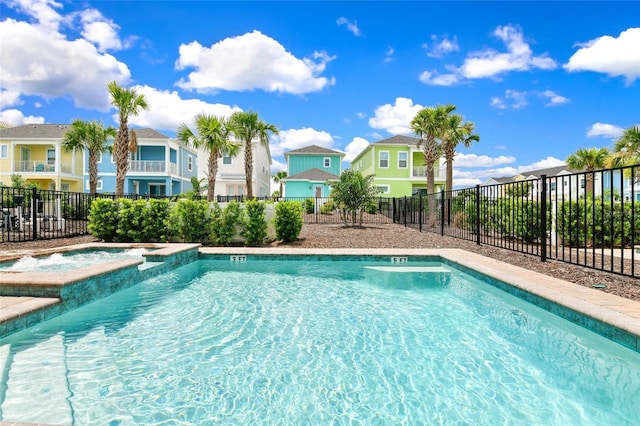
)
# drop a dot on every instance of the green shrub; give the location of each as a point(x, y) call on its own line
point(130, 217)
point(255, 230)
point(309, 206)
point(103, 219)
point(227, 223)
point(155, 221)
point(288, 220)
point(328, 207)
point(190, 221)
point(371, 207)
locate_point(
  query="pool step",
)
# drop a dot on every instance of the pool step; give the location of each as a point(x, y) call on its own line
point(410, 269)
point(44, 368)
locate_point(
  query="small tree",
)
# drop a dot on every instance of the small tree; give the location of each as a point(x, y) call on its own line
point(352, 193)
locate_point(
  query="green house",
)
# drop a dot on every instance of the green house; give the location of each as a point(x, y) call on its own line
point(398, 167)
point(309, 171)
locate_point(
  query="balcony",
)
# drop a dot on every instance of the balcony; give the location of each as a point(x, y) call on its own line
point(419, 171)
point(147, 166)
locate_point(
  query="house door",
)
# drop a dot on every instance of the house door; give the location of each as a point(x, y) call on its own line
point(318, 192)
point(157, 190)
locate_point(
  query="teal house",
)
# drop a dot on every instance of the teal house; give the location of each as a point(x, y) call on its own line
point(309, 171)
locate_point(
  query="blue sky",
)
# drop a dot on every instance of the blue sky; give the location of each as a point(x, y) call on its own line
point(539, 79)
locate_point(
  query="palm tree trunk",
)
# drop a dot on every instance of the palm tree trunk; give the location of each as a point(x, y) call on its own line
point(122, 155)
point(248, 167)
point(212, 171)
point(93, 172)
point(430, 156)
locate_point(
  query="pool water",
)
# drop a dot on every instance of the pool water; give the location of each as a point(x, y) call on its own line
point(59, 262)
point(315, 342)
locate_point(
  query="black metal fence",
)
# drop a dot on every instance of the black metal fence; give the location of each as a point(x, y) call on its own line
point(590, 219)
point(34, 214)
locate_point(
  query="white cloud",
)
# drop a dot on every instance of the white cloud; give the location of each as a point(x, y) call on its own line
point(441, 46)
point(610, 55)
point(17, 118)
point(43, 11)
point(167, 110)
point(351, 26)
point(489, 63)
point(37, 61)
point(9, 98)
point(542, 164)
point(395, 119)
point(517, 100)
point(251, 61)
point(554, 98)
point(473, 160)
point(361, 115)
point(101, 31)
point(604, 130)
point(434, 79)
point(512, 99)
point(277, 166)
point(353, 148)
point(288, 140)
point(388, 55)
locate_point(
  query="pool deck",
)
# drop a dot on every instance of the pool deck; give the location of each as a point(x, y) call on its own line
point(616, 311)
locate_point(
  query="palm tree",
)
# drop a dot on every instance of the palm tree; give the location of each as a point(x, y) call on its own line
point(278, 177)
point(627, 148)
point(92, 136)
point(589, 160)
point(428, 125)
point(246, 126)
point(456, 131)
point(129, 103)
point(212, 135)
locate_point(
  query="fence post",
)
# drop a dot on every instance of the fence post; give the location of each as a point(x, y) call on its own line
point(420, 212)
point(543, 218)
point(405, 211)
point(478, 214)
point(442, 211)
point(34, 213)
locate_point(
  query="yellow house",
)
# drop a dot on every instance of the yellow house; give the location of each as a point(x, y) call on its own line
point(35, 152)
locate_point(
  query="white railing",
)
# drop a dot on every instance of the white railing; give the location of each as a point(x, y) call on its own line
point(173, 168)
point(147, 166)
point(419, 171)
point(33, 166)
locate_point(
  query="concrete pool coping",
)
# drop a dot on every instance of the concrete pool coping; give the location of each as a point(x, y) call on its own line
point(611, 310)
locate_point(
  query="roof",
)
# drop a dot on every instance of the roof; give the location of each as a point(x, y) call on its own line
point(314, 174)
point(148, 133)
point(397, 140)
point(314, 150)
point(57, 131)
point(504, 179)
point(551, 171)
point(31, 131)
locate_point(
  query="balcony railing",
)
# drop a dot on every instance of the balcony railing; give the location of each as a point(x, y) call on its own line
point(419, 171)
point(39, 167)
point(147, 166)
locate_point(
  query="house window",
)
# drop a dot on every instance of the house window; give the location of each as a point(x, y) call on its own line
point(4, 151)
point(99, 157)
point(553, 186)
point(582, 183)
point(383, 159)
point(226, 159)
point(65, 187)
point(189, 163)
point(327, 161)
point(98, 185)
point(402, 160)
point(51, 157)
point(383, 189)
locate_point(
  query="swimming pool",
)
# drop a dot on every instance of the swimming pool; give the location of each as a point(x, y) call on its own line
point(315, 342)
point(60, 262)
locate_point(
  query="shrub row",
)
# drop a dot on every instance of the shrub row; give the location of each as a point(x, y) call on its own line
point(580, 223)
point(189, 220)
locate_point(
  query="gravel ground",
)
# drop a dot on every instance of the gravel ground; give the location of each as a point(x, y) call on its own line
point(394, 236)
